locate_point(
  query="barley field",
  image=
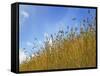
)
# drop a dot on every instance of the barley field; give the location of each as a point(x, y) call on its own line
point(69, 49)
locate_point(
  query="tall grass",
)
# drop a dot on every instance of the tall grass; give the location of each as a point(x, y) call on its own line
point(69, 49)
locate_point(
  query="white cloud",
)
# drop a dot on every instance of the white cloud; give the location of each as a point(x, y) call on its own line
point(25, 14)
point(22, 56)
point(29, 43)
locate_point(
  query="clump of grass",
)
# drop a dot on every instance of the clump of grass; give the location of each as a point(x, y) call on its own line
point(71, 49)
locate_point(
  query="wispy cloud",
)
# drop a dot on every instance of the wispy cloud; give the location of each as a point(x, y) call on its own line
point(25, 14)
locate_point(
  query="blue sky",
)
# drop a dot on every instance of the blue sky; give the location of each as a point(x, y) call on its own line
point(36, 21)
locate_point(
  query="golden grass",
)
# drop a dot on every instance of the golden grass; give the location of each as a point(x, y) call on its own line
point(77, 53)
point(67, 51)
